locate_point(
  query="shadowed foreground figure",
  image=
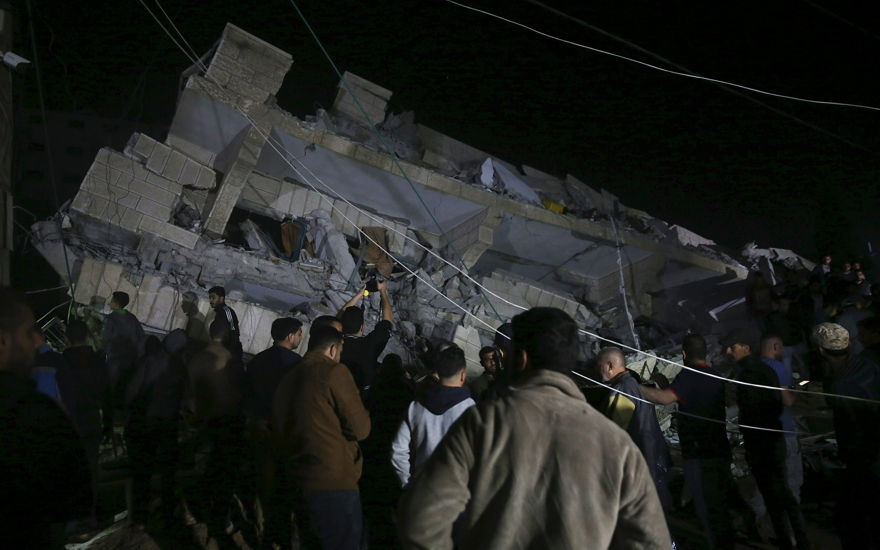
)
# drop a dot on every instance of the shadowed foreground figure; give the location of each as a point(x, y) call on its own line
point(536, 467)
point(44, 475)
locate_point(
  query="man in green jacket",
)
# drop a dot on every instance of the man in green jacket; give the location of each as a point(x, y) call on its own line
point(536, 467)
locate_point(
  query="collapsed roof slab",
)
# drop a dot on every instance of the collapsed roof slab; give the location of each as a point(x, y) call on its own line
point(343, 161)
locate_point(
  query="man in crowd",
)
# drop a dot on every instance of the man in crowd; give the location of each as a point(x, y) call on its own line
point(704, 448)
point(263, 375)
point(217, 298)
point(85, 390)
point(772, 351)
point(431, 415)
point(638, 418)
point(44, 474)
point(47, 364)
point(855, 426)
point(153, 399)
point(214, 381)
point(318, 419)
point(760, 410)
point(123, 341)
point(361, 353)
point(482, 382)
point(536, 466)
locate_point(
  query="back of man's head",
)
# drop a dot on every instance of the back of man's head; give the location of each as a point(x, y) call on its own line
point(120, 298)
point(284, 327)
point(449, 362)
point(219, 330)
point(771, 346)
point(610, 361)
point(326, 321)
point(694, 348)
point(549, 337)
point(352, 320)
point(321, 338)
point(77, 332)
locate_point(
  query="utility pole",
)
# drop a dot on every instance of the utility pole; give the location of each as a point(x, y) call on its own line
point(6, 227)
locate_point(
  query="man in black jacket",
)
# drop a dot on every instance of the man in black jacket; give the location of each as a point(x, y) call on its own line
point(217, 298)
point(760, 410)
point(44, 475)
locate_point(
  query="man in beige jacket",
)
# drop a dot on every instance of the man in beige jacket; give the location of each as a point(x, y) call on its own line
point(537, 467)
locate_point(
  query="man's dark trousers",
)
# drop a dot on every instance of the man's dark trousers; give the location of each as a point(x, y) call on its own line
point(335, 518)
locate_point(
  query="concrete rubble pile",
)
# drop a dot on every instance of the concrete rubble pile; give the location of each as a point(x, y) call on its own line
point(277, 209)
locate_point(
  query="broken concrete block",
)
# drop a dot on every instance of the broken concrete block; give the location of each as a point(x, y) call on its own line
point(140, 146)
point(157, 160)
point(150, 208)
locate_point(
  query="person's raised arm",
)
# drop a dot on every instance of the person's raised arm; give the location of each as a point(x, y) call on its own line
point(387, 308)
point(355, 300)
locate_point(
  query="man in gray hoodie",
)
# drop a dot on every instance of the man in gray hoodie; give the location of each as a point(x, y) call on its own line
point(431, 415)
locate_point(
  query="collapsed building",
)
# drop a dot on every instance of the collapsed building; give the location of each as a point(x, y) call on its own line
point(292, 215)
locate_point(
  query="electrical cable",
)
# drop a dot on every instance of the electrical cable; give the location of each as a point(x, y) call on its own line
point(389, 150)
point(657, 68)
point(697, 416)
point(684, 69)
point(286, 155)
point(70, 282)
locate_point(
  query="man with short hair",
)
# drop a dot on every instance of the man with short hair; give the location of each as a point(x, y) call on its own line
point(638, 418)
point(44, 474)
point(535, 467)
point(326, 320)
point(760, 410)
point(123, 341)
point(214, 380)
point(488, 361)
point(361, 353)
point(705, 450)
point(262, 377)
point(855, 427)
point(772, 352)
point(430, 416)
point(217, 298)
point(318, 419)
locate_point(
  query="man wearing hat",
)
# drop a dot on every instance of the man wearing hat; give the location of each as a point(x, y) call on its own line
point(761, 409)
point(855, 426)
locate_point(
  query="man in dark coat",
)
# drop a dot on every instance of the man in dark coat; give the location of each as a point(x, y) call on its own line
point(85, 391)
point(638, 418)
point(123, 341)
point(760, 410)
point(44, 474)
point(153, 399)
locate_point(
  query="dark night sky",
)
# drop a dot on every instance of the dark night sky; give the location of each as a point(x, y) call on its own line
point(685, 151)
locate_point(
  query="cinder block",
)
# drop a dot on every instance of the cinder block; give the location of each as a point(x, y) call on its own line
point(156, 162)
point(141, 145)
point(312, 201)
point(190, 173)
point(253, 195)
point(207, 179)
point(153, 192)
point(81, 200)
point(165, 302)
point(282, 203)
point(153, 209)
point(174, 165)
point(130, 219)
point(96, 207)
point(163, 183)
point(150, 226)
point(179, 235)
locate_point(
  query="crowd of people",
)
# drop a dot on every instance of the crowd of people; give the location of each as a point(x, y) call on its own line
point(335, 449)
